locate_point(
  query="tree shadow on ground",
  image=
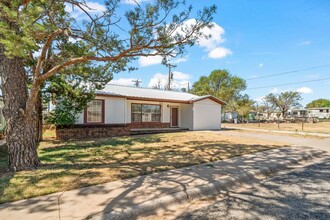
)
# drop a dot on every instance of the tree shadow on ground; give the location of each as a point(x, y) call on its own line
point(81, 164)
point(79, 172)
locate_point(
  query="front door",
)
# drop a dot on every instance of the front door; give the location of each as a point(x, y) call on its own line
point(174, 117)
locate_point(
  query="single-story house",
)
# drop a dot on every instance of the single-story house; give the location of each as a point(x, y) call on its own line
point(118, 109)
point(319, 112)
point(297, 113)
point(229, 116)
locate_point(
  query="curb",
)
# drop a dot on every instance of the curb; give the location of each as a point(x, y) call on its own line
point(207, 190)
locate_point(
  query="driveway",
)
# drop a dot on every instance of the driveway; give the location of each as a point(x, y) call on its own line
point(301, 194)
point(317, 143)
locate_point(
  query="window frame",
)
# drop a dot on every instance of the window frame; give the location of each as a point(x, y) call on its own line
point(141, 117)
point(102, 113)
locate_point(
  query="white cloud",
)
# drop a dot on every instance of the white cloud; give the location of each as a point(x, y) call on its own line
point(93, 8)
point(179, 60)
point(304, 43)
point(158, 78)
point(180, 80)
point(123, 81)
point(134, 2)
point(305, 90)
point(216, 38)
point(180, 75)
point(210, 44)
point(259, 99)
point(275, 90)
point(261, 65)
point(150, 60)
point(219, 52)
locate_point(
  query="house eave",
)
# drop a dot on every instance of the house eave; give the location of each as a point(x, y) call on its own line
point(209, 97)
point(144, 99)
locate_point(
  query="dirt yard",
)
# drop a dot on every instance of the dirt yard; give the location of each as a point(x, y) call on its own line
point(321, 127)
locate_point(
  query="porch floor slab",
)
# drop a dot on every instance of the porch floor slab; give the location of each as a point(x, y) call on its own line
point(156, 130)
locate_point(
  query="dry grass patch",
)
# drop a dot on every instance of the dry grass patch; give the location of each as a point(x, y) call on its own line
point(75, 164)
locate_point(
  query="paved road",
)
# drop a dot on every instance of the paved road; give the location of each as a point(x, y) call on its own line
point(301, 194)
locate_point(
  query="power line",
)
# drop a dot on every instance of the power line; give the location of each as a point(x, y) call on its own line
point(292, 71)
point(293, 83)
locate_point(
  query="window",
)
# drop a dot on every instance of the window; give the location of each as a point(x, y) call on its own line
point(145, 113)
point(321, 110)
point(95, 112)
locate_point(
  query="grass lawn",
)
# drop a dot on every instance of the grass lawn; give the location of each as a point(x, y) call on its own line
point(320, 127)
point(75, 164)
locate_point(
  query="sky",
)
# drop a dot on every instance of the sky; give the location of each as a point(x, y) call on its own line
point(251, 39)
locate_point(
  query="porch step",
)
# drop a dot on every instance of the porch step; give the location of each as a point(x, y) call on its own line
point(137, 131)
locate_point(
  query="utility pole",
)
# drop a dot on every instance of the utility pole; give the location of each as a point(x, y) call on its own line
point(170, 75)
point(137, 83)
point(188, 87)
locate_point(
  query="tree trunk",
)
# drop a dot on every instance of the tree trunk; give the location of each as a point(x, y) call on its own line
point(20, 133)
point(39, 110)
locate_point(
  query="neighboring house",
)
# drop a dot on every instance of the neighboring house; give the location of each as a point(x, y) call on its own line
point(135, 108)
point(319, 112)
point(297, 113)
point(229, 116)
point(276, 115)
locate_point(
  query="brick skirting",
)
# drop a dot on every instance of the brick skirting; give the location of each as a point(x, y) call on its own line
point(85, 131)
point(149, 125)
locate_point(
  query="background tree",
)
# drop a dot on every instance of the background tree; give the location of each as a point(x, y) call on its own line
point(243, 105)
point(221, 84)
point(319, 103)
point(269, 107)
point(258, 108)
point(227, 87)
point(40, 40)
point(284, 101)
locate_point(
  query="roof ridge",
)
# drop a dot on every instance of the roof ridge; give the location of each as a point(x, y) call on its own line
point(134, 87)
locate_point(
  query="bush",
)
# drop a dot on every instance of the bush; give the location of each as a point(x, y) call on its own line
point(64, 114)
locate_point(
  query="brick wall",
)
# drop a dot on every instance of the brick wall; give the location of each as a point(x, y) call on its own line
point(85, 131)
point(149, 125)
point(91, 131)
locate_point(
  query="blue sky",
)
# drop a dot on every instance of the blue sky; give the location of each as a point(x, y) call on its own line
point(254, 38)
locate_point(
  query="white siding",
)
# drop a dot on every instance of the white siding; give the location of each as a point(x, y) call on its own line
point(114, 110)
point(80, 118)
point(204, 114)
point(187, 116)
point(207, 115)
point(318, 114)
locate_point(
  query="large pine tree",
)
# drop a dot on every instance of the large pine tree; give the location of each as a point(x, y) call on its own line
point(40, 40)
